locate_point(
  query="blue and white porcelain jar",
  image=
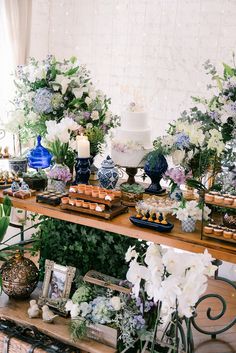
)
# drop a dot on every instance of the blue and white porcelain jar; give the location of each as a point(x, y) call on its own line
point(188, 225)
point(108, 174)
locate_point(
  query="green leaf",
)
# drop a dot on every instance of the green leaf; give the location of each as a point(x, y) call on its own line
point(72, 71)
point(4, 223)
point(7, 206)
point(228, 71)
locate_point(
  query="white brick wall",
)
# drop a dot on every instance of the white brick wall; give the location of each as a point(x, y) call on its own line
point(155, 48)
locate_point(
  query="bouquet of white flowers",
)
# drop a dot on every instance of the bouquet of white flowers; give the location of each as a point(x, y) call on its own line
point(50, 90)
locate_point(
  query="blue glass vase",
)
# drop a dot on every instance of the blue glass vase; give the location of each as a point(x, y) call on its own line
point(155, 167)
point(39, 157)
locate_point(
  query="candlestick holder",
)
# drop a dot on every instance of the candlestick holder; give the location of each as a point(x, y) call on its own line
point(82, 170)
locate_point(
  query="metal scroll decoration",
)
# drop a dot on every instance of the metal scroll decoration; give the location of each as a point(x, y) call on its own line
point(209, 314)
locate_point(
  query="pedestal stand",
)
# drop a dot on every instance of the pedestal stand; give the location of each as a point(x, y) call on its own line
point(131, 175)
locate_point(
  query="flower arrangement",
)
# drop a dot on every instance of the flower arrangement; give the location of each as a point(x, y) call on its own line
point(198, 140)
point(174, 282)
point(177, 176)
point(59, 172)
point(126, 313)
point(60, 137)
point(50, 90)
point(166, 285)
point(191, 209)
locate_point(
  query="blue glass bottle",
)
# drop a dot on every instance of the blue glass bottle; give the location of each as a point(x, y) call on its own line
point(39, 157)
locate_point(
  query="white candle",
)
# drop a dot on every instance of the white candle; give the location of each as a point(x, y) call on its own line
point(83, 146)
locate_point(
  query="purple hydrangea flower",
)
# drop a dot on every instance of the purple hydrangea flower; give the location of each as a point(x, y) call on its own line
point(139, 322)
point(43, 101)
point(86, 115)
point(182, 140)
point(177, 175)
point(60, 173)
point(215, 115)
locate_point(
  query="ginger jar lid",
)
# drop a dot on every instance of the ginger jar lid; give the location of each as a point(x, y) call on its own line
point(108, 163)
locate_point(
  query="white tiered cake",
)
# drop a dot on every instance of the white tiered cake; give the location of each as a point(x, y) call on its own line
point(132, 141)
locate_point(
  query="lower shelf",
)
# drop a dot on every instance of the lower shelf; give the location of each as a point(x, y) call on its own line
point(220, 237)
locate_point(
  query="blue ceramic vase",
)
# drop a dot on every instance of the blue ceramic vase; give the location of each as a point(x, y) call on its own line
point(39, 157)
point(108, 174)
point(155, 167)
point(176, 194)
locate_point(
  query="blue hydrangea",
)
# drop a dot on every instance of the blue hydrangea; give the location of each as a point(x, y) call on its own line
point(43, 101)
point(182, 140)
point(138, 322)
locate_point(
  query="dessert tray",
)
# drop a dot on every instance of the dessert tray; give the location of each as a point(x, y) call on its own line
point(220, 200)
point(20, 194)
point(93, 200)
point(6, 179)
point(152, 213)
point(152, 224)
point(50, 197)
point(220, 233)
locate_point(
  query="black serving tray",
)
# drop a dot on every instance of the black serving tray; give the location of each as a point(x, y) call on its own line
point(152, 225)
point(50, 198)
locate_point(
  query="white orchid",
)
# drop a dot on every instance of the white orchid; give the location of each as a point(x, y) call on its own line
point(193, 210)
point(183, 281)
point(130, 254)
point(134, 275)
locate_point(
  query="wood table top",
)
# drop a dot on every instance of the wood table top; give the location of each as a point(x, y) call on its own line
point(122, 225)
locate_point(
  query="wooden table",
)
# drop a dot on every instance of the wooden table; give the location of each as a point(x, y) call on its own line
point(16, 310)
point(121, 225)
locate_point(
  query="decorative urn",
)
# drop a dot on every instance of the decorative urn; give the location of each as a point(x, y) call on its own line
point(108, 174)
point(155, 166)
point(19, 276)
point(39, 157)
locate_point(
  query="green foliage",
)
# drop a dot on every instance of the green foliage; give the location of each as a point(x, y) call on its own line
point(132, 188)
point(78, 329)
point(35, 175)
point(96, 137)
point(83, 247)
point(5, 211)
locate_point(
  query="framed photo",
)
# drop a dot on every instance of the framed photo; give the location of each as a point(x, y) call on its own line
point(56, 286)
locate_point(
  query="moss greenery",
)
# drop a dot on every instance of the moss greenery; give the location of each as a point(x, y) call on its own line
point(85, 248)
point(132, 188)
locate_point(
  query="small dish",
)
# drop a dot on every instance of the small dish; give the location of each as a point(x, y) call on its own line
point(65, 200)
point(78, 203)
point(71, 202)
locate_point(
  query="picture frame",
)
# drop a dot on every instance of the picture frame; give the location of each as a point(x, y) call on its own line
point(56, 286)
